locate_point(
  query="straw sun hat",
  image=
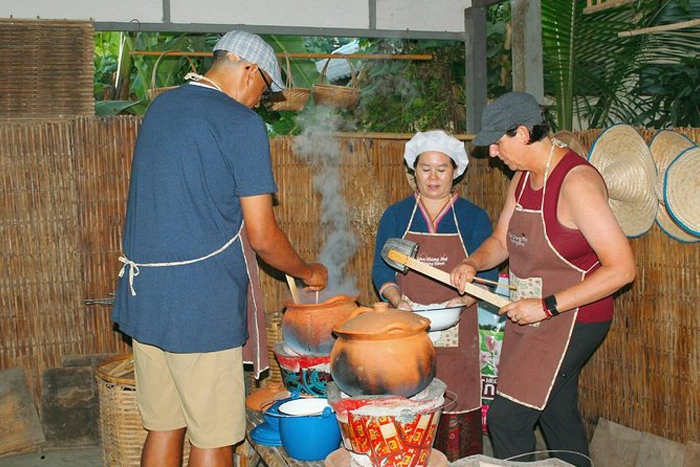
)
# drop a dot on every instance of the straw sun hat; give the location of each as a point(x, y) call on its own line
point(572, 142)
point(681, 188)
point(624, 160)
point(666, 146)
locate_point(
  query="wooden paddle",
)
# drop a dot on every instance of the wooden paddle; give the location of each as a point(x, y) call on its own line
point(444, 277)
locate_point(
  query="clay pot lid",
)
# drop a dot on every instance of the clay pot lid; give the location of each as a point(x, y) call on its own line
point(382, 322)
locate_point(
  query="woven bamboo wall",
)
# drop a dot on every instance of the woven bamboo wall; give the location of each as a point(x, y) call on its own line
point(40, 315)
point(647, 372)
point(63, 192)
point(47, 69)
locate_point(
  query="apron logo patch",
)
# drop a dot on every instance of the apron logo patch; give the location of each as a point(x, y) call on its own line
point(434, 261)
point(517, 240)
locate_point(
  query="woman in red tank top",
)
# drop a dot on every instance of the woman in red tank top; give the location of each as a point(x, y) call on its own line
point(566, 255)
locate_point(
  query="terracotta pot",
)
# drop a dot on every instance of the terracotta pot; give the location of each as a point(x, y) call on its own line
point(383, 351)
point(307, 328)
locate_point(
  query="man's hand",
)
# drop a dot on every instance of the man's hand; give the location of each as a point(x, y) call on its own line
point(318, 279)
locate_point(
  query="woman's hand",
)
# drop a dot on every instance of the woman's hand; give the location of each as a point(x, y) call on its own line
point(525, 311)
point(464, 300)
point(463, 273)
point(403, 305)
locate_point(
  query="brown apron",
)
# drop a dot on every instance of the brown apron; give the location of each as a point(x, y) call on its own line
point(458, 367)
point(255, 348)
point(531, 355)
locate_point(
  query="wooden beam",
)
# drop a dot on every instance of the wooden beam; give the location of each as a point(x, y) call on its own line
point(406, 136)
point(475, 65)
point(661, 28)
point(297, 55)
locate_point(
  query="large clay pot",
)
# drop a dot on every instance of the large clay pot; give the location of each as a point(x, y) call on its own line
point(307, 328)
point(383, 351)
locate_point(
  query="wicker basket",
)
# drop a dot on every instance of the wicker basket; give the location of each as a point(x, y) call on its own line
point(291, 99)
point(121, 429)
point(154, 91)
point(345, 97)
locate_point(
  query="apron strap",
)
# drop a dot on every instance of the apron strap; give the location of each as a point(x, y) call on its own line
point(134, 266)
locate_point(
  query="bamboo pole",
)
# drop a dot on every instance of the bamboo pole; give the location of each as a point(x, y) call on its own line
point(357, 134)
point(661, 28)
point(297, 55)
point(604, 5)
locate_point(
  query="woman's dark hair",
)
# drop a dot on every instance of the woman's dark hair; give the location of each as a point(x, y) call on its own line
point(537, 132)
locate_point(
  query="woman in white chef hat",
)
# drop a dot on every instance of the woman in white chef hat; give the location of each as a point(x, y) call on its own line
point(447, 228)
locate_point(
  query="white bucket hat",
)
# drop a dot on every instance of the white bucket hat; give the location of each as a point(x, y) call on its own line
point(665, 146)
point(624, 160)
point(681, 188)
point(437, 140)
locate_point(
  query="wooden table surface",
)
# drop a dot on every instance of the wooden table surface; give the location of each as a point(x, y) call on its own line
point(272, 456)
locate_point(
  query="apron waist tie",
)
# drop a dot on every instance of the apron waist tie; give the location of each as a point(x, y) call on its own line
point(134, 266)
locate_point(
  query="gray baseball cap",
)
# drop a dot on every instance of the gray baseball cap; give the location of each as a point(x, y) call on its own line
point(253, 49)
point(505, 113)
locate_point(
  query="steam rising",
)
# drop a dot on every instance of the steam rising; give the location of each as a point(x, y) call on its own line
point(320, 150)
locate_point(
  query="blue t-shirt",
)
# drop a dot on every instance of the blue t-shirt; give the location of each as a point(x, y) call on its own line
point(474, 227)
point(197, 153)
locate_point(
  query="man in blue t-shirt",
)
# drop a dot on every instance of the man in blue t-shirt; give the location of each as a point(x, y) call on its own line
point(199, 210)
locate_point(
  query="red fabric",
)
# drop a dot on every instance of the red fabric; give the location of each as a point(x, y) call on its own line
point(569, 243)
point(459, 435)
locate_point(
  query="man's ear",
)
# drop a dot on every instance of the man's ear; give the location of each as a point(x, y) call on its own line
point(524, 133)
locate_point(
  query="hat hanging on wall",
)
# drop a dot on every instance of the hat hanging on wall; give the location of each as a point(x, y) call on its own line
point(665, 146)
point(572, 142)
point(681, 188)
point(624, 160)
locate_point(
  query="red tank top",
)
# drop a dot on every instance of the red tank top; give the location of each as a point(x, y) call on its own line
point(569, 243)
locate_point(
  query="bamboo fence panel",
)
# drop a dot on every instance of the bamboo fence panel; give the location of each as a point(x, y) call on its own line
point(40, 315)
point(103, 162)
point(64, 186)
point(47, 69)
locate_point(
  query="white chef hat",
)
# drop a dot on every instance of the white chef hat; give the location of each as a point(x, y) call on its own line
point(437, 140)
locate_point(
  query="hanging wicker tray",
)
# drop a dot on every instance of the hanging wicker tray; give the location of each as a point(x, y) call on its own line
point(336, 96)
point(290, 99)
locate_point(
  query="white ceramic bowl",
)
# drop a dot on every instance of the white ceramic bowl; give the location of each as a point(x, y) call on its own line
point(440, 318)
point(304, 407)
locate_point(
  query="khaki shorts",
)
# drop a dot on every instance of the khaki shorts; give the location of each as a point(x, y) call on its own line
point(201, 391)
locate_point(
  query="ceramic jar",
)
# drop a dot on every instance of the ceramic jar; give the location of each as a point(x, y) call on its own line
point(383, 351)
point(307, 328)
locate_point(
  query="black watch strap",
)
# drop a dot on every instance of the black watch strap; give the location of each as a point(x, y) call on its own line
point(551, 303)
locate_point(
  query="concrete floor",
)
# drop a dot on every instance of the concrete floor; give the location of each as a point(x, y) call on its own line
point(75, 457)
point(90, 456)
point(86, 457)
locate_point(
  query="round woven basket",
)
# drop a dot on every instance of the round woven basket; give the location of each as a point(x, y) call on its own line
point(121, 429)
point(291, 98)
point(345, 97)
point(154, 91)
